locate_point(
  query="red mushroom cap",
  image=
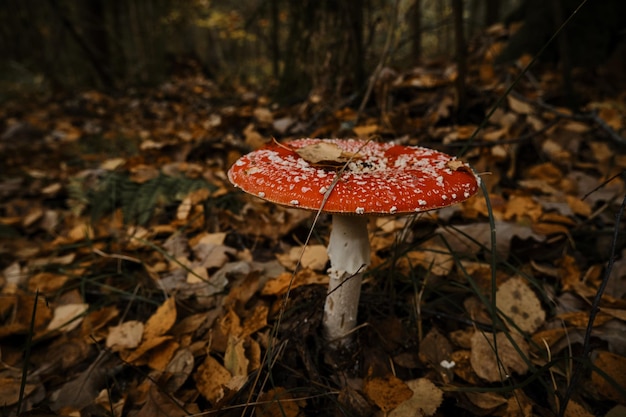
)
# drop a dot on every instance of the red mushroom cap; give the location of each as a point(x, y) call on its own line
point(382, 178)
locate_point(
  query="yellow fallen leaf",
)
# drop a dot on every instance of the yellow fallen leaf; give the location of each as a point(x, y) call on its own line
point(211, 377)
point(162, 320)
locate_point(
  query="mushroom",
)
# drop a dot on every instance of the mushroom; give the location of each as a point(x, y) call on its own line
point(352, 179)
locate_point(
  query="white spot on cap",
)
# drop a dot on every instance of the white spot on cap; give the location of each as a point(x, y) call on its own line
point(393, 210)
point(294, 202)
point(360, 210)
point(422, 202)
point(261, 194)
point(323, 190)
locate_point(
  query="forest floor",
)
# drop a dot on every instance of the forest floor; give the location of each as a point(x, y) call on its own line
point(135, 280)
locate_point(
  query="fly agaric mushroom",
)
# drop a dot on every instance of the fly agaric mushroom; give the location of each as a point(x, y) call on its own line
point(375, 179)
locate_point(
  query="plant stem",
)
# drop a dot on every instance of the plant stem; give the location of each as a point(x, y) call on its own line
point(349, 254)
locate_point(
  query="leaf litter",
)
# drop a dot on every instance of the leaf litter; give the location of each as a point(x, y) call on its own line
point(164, 296)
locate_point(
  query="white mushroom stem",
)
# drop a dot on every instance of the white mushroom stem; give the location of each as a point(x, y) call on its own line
point(349, 254)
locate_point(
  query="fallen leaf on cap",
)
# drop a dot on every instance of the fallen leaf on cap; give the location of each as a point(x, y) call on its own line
point(325, 153)
point(494, 368)
point(388, 392)
point(519, 303)
point(425, 400)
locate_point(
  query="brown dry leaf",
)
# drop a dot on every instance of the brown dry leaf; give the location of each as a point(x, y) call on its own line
point(67, 317)
point(211, 377)
point(614, 312)
point(578, 206)
point(178, 370)
point(486, 400)
point(569, 272)
point(434, 348)
point(47, 282)
point(193, 198)
point(520, 207)
point(159, 405)
point(434, 258)
point(388, 392)
point(610, 114)
point(141, 355)
point(235, 359)
point(162, 320)
point(125, 336)
point(253, 138)
point(279, 285)
point(20, 308)
point(519, 405)
point(576, 410)
point(159, 357)
point(615, 367)
point(365, 131)
point(314, 257)
point(519, 106)
point(494, 368)
point(143, 173)
point(518, 302)
point(425, 400)
point(227, 325)
point(94, 323)
point(255, 321)
point(580, 319)
point(278, 402)
point(263, 115)
point(325, 153)
point(10, 391)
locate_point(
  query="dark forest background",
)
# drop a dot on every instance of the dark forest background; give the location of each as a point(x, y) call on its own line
point(290, 48)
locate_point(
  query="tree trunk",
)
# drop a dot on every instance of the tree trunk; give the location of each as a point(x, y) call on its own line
point(416, 31)
point(461, 60)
